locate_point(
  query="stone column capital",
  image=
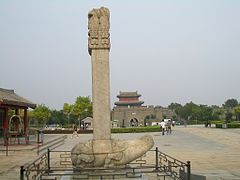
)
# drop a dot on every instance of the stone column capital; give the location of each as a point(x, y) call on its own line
point(98, 26)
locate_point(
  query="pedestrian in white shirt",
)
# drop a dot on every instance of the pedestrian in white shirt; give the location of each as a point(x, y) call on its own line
point(162, 124)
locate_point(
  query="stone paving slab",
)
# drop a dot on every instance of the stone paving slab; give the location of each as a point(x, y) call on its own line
point(20, 155)
point(214, 153)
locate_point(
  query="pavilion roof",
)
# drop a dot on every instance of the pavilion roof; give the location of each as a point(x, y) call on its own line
point(130, 103)
point(10, 98)
point(129, 94)
point(88, 119)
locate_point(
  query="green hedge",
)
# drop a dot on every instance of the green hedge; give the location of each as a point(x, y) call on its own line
point(217, 121)
point(66, 131)
point(233, 125)
point(114, 130)
point(229, 125)
point(136, 129)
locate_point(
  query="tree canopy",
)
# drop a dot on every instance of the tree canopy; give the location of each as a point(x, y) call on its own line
point(82, 108)
point(204, 113)
point(237, 112)
point(230, 103)
point(42, 114)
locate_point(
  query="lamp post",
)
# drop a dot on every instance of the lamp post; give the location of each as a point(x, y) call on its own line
point(79, 124)
point(68, 120)
point(124, 117)
point(68, 115)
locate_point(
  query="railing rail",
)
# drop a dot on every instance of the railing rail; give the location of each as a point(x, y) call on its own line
point(58, 163)
point(35, 169)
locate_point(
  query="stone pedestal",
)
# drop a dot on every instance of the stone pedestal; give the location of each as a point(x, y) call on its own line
point(108, 153)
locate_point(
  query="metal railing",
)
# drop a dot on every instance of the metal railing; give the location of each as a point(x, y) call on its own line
point(9, 141)
point(37, 168)
point(172, 167)
point(153, 163)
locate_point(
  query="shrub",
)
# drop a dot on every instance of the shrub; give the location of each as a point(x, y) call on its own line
point(219, 125)
point(217, 121)
point(229, 125)
point(233, 125)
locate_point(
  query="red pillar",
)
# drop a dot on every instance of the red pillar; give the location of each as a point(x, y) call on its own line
point(5, 125)
point(25, 121)
point(16, 111)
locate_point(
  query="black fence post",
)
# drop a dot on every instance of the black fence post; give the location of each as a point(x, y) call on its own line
point(22, 173)
point(38, 142)
point(38, 138)
point(6, 140)
point(48, 159)
point(7, 148)
point(156, 165)
point(188, 170)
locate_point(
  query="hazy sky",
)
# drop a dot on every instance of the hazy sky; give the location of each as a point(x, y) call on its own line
point(170, 51)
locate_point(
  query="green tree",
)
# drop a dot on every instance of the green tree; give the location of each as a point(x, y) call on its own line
point(230, 103)
point(192, 111)
point(58, 117)
point(188, 110)
point(67, 111)
point(205, 113)
point(82, 107)
point(217, 113)
point(228, 116)
point(67, 108)
point(177, 108)
point(42, 114)
point(237, 113)
point(174, 106)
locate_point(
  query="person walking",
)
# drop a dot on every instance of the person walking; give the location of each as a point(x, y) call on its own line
point(169, 126)
point(162, 124)
point(75, 131)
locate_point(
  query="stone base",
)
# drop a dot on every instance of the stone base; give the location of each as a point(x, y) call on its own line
point(108, 153)
point(118, 174)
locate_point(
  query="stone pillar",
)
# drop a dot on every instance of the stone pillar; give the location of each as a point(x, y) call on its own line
point(99, 46)
point(102, 151)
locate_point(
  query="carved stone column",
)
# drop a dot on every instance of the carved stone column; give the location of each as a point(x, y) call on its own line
point(102, 151)
point(98, 47)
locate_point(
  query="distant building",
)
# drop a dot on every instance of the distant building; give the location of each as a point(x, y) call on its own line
point(87, 123)
point(128, 111)
point(129, 99)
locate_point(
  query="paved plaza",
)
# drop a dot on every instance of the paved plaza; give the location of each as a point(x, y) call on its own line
point(214, 153)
